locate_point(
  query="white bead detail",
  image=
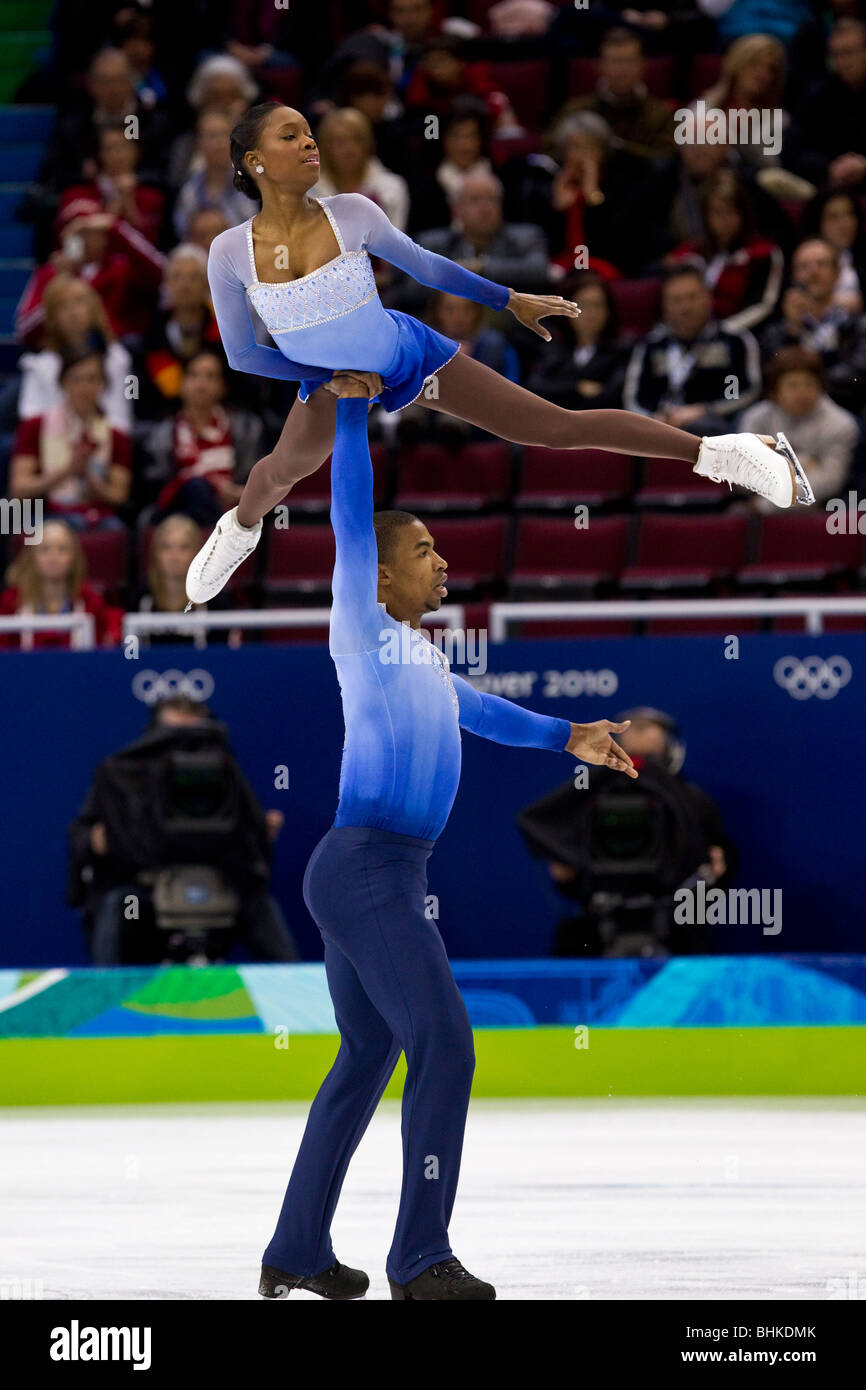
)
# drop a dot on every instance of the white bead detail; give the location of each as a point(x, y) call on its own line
point(333, 290)
point(437, 658)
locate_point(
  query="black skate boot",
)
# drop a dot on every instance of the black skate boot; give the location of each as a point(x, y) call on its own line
point(337, 1282)
point(448, 1280)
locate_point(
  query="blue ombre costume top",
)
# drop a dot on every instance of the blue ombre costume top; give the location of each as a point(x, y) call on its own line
point(403, 709)
point(333, 318)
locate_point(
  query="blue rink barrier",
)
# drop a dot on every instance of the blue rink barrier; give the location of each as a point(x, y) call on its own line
point(784, 765)
point(685, 992)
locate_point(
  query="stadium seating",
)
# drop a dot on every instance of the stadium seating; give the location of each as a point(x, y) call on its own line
point(561, 478)
point(474, 552)
point(673, 483)
point(554, 554)
point(686, 551)
point(472, 478)
point(797, 547)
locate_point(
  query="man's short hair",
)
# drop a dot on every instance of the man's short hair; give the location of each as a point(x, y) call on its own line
point(386, 525)
point(680, 271)
point(793, 359)
point(618, 37)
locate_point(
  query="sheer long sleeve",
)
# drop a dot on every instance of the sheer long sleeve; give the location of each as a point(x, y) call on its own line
point(383, 239)
point(355, 616)
point(237, 326)
point(502, 721)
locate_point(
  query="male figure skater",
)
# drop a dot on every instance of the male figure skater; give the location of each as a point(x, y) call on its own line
point(366, 883)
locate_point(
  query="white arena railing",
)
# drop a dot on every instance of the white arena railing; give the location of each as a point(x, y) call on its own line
point(453, 616)
point(80, 626)
point(813, 610)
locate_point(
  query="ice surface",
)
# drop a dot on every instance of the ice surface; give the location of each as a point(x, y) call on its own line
point(558, 1199)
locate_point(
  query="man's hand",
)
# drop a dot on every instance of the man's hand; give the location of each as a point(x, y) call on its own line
point(98, 838)
point(592, 743)
point(343, 383)
point(529, 308)
point(561, 873)
point(795, 307)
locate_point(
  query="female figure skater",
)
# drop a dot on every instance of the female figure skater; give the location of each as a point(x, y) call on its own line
point(300, 272)
point(366, 884)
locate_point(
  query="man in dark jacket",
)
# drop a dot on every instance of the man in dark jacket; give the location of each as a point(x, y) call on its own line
point(689, 371)
point(144, 816)
point(622, 853)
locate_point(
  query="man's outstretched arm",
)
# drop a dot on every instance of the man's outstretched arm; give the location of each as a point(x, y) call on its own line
point(502, 721)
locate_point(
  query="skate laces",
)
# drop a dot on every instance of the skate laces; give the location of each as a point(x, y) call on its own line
point(454, 1269)
point(754, 472)
point(239, 545)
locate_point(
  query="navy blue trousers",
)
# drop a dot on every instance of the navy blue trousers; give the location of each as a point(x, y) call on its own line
point(393, 991)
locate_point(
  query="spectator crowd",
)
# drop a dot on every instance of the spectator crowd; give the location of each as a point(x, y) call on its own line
point(540, 145)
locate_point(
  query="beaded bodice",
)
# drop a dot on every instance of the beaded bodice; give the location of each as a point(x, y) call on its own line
point(423, 652)
point(337, 288)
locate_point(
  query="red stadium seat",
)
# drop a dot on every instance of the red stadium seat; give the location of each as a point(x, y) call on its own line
point(300, 558)
point(555, 554)
point(525, 84)
point(505, 147)
point(583, 75)
point(474, 551)
point(638, 304)
point(106, 553)
point(686, 551)
point(671, 482)
point(796, 545)
point(572, 627)
point(286, 84)
point(296, 636)
point(439, 479)
point(313, 493)
point(706, 68)
point(563, 477)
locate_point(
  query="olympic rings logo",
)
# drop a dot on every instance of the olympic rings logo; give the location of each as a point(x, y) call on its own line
point(150, 686)
point(815, 675)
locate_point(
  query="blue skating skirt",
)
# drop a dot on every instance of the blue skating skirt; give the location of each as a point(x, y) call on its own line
point(421, 351)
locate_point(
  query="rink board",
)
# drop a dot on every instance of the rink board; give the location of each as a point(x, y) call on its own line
point(509, 1063)
point(722, 1025)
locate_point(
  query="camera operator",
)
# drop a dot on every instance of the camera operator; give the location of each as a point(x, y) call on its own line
point(622, 852)
point(169, 857)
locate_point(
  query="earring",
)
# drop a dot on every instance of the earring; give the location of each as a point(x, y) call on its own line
point(260, 168)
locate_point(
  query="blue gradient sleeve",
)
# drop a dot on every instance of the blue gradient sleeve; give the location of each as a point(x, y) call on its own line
point(355, 615)
point(502, 721)
point(383, 239)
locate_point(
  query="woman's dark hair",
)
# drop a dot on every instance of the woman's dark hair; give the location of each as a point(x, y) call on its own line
point(810, 222)
point(725, 184)
point(244, 138)
point(572, 287)
point(213, 351)
point(68, 360)
point(469, 108)
point(792, 359)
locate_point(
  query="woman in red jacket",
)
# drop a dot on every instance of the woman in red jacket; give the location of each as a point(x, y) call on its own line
point(743, 271)
point(49, 578)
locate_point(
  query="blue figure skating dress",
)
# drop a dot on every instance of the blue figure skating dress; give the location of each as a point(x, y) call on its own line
point(333, 318)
